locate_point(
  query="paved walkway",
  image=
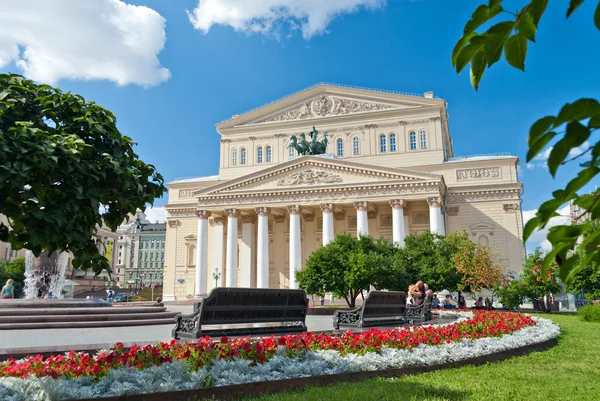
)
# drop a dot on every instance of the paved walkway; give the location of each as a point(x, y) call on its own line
point(17, 341)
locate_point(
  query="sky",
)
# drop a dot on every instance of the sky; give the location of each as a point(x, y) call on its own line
point(171, 70)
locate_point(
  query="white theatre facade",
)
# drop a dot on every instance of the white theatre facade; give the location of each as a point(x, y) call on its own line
point(390, 171)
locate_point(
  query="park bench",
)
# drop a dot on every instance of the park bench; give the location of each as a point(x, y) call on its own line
point(379, 308)
point(243, 311)
point(421, 313)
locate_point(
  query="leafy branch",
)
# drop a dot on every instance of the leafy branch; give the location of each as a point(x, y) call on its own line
point(581, 119)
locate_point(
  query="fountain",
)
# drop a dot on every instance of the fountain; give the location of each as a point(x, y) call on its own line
point(47, 269)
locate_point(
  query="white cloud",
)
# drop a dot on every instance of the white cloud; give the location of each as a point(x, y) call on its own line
point(545, 154)
point(266, 17)
point(579, 150)
point(155, 214)
point(91, 39)
point(538, 237)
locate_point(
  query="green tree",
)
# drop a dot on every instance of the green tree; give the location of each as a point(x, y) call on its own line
point(348, 265)
point(13, 269)
point(62, 159)
point(536, 281)
point(429, 257)
point(512, 294)
point(571, 127)
point(587, 278)
point(479, 267)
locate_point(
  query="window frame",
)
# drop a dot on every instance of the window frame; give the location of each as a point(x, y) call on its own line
point(243, 156)
point(259, 154)
point(394, 143)
point(339, 147)
point(412, 145)
point(234, 156)
point(356, 146)
point(382, 143)
point(268, 154)
point(423, 138)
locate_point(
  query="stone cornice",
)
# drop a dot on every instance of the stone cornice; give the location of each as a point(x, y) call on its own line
point(483, 193)
point(322, 195)
point(181, 211)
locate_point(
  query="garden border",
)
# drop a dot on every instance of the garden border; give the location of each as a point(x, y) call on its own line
point(240, 391)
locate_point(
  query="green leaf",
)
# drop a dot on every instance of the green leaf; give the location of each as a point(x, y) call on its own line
point(582, 179)
point(496, 40)
point(540, 144)
point(573, 5)
point(537, 8)
point(540, 127)
point(515, 51)
point(526, 27)
point(577, 134)
point(547, 210)
point(466, 54)
point(460, 45)
point(483, 14)
point(597, 16)
point(530, 228)
point(579, 110)
point(477, 68)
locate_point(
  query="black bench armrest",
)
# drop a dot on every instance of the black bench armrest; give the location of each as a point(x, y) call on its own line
point(188, 325)
point(347, 318)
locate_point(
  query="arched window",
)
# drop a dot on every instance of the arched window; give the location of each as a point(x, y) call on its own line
point(291, 152)
point(423, 138)
point(392, 142)
point(413, 140)
point(243, 156)
point(259, 155)
point(191, 256)
point(269, 153)
point(340, 147)
point(382, 143)
point(356, 146)
point(484, 240)
point(233, 157)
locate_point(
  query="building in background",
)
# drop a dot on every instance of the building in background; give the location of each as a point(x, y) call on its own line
point(6, 251)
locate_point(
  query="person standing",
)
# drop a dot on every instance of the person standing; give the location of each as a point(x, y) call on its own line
point(8, 291)
point(331, 299)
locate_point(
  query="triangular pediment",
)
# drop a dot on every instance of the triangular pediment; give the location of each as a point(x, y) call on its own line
point(482, 227)
point(324, 101)
point(314, 172)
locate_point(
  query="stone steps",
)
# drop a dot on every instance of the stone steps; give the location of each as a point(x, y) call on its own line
point(85, 324)
point(80, 311)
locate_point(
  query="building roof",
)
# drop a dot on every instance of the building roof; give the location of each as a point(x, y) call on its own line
point(491, 156)
point(205, 178)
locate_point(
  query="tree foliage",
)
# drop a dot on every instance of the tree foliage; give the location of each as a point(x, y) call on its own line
point(62, 158)
point(349, 265)
point(574, 124)
point(13, 269)
point(479, 267)
point(587, 279)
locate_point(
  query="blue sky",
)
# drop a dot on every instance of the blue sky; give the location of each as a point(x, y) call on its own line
point(237, 65)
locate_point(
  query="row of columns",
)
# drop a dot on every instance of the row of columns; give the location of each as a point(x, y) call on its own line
point(295, 256)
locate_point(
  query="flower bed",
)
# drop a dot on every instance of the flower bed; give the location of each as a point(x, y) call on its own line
point(178, 366)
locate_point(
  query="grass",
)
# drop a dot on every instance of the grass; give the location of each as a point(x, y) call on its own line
point(569, 371)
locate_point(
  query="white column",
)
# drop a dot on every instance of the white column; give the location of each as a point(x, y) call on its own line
point(201, 252)
point(262, 243)
point(436, 222)
point(328, 234)
point(247, 251)
point(231, 259)
point(362, 220)
point(295, 248)
point(217, 262)
point(398, 230)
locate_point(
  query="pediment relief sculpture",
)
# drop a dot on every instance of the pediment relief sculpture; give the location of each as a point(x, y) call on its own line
point(309, 176)
point(325, 106)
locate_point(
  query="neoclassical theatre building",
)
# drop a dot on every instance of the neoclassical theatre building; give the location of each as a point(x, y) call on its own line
point(389, 171)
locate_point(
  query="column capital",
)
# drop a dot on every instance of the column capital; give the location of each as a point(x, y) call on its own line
point(262, 211)
point(327, 207)
point(174, 223)
point(217, 220)
point(434, 201)
point(232, 212)
point(248, 219)
point(361, 205)
point(203, 214)
point(294, 209)
point(398, 204)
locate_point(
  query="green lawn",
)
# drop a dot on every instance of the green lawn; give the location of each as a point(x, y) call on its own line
point(569, 371)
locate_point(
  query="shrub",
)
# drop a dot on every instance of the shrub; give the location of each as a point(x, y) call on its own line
point(590, 313)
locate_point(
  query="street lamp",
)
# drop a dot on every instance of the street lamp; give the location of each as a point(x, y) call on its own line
point(216, 276)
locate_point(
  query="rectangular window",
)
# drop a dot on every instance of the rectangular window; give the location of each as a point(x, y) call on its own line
point(392, 142)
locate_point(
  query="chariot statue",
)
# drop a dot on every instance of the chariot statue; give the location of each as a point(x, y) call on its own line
point(312, 147)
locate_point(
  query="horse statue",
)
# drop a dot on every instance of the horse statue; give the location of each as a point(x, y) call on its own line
point(314, 147)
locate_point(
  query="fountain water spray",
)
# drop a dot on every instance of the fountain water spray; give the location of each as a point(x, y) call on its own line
point(52, 276)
